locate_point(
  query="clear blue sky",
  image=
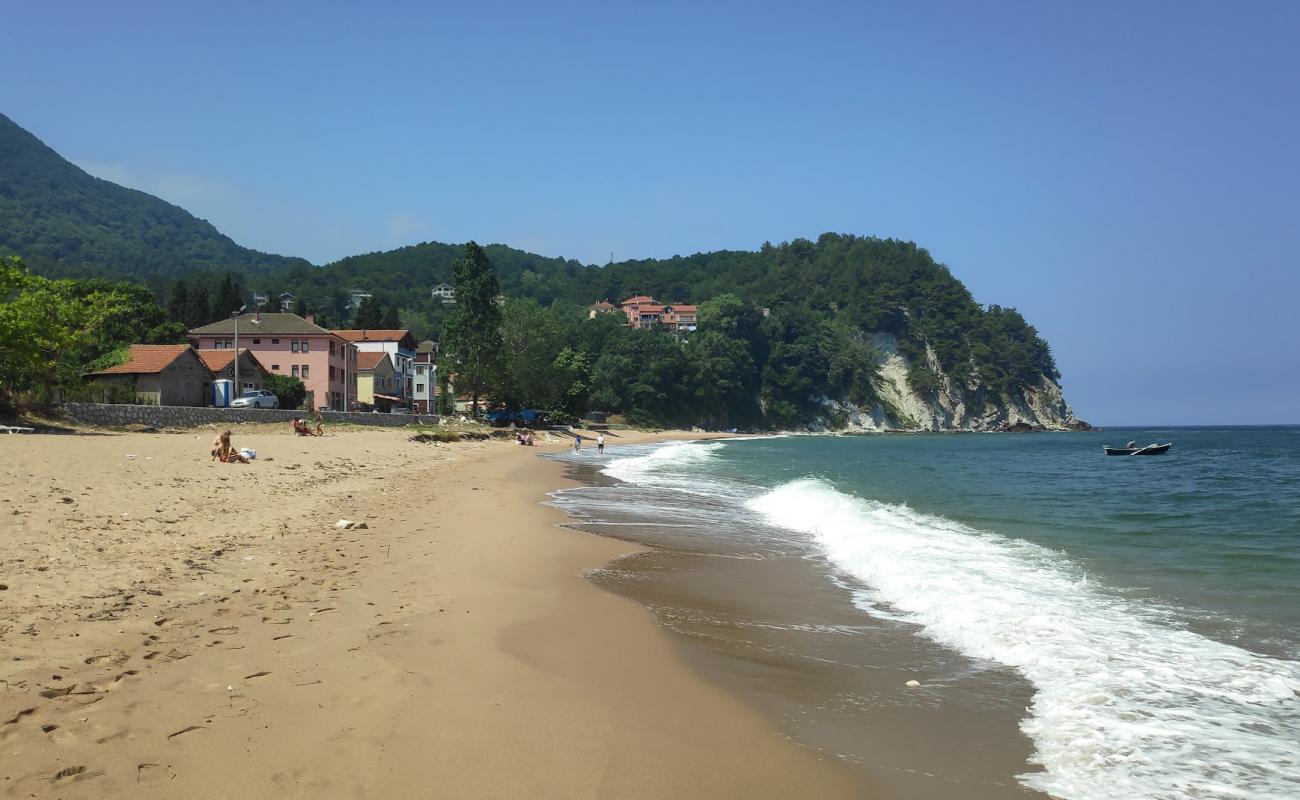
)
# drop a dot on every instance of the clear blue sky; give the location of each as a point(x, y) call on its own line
point(1125, 174)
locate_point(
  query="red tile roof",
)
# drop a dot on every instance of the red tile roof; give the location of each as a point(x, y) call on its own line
point(373, 335)
point(219, 360)
point(216, 360)
point(370, 360)
point(641, 298)
point(147, 359)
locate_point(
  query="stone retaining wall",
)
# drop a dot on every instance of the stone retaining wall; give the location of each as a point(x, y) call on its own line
point(108, 415)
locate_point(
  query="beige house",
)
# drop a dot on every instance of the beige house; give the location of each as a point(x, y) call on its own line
point(159, 374)
point(377, 381)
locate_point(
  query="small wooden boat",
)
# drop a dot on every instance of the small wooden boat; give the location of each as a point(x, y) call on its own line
point(1149, 450)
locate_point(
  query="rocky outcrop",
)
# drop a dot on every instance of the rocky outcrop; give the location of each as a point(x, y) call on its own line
point(951, 407)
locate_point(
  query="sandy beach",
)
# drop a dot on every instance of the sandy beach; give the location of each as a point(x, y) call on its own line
point(174, 627)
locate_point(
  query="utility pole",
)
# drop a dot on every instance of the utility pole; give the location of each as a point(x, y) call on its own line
point(235, 315)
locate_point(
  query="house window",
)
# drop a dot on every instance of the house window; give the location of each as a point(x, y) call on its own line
point(419, 370)
point(293, 345)
point(419, 388)
point(331, 347)
point(257, 341)
point(295, 370)
point(331, 372)
point(230, 343)
point(275, 367)
point(275, 341)
point(304, 370)
point(306, 345)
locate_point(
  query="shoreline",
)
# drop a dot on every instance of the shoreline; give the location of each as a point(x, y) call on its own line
point(770, 631)
point(177, 625)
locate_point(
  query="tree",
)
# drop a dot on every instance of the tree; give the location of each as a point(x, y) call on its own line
point(178, 302)
point(198, 311)
point(300, 307)
point(390, 321)
point(289, 390)
point(471, 334)
point(531, 337)
point(446, 401)
point(56, 331)
point(229, 297)
point(369, 315)
point(573, 380)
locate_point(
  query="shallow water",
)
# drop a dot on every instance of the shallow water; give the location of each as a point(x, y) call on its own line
point(1083, 625)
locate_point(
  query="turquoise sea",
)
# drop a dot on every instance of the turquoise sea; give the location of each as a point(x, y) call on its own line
point(1135, 618)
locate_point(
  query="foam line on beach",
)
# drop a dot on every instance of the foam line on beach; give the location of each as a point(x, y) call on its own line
point(1127, 704)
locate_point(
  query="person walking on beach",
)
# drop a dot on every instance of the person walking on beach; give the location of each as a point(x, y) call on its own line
point(600, 443)
point(577, 442)
point(320, 423)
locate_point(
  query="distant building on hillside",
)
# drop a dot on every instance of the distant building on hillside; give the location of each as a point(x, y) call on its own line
point(355, 296)
point(260, 299)
point(287, 301)
point(646, 313)
point(446, 293)
point(603, 307)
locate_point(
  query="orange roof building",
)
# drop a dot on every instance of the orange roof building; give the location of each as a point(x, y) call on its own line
point(157, 374)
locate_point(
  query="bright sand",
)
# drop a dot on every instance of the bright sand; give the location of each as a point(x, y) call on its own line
point(174, 627)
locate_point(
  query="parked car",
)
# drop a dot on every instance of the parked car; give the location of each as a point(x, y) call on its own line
point(256, 398)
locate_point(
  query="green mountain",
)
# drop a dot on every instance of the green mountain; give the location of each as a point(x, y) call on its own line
point(67, 223)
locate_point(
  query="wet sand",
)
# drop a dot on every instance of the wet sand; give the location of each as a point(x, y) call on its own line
point(772, 628)
point(174, 627)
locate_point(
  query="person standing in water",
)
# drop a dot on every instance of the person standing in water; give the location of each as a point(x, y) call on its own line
point(600, 443)
point(577, 442)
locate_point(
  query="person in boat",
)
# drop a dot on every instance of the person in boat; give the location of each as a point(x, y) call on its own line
point(1131, 445)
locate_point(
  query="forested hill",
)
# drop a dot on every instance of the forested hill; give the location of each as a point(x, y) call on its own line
point(869, 284)
point(67, 223)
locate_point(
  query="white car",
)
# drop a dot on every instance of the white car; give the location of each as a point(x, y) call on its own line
point(256, 398)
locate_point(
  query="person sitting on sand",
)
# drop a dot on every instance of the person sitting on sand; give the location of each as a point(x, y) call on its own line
point(300, 427)
point(226, 452)
point(320, 423)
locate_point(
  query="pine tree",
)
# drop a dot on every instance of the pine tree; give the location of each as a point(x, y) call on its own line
point(178, 302)
point(300, 307)
point(229, 297)
point(472, 332)
point(197, 310)
point(369, 315)
point(391, 321)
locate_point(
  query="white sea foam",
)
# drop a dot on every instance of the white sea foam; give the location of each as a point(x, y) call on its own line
point(663, 463)
point(1127, 705)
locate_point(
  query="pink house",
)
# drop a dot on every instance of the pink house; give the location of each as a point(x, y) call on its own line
point(287, 344)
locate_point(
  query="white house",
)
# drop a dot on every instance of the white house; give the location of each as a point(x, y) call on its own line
point(424, 389)
point(446, 293)
point(355, 297)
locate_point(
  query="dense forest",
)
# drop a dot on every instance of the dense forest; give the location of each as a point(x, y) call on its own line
point(863, 284)
point(68, 224)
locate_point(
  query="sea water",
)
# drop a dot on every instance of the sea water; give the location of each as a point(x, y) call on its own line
point(1150, 604)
